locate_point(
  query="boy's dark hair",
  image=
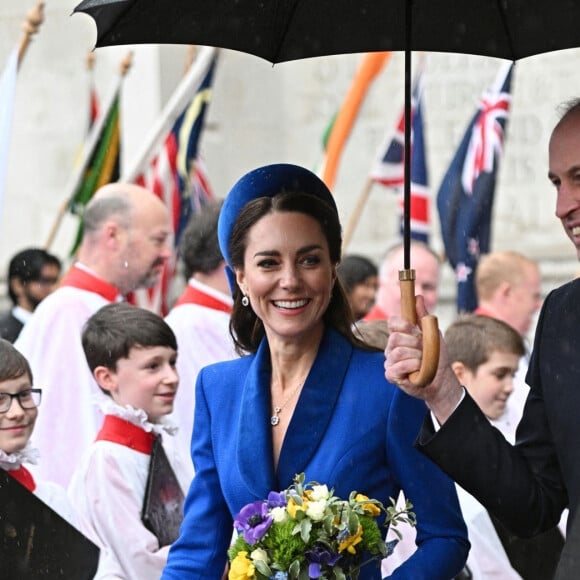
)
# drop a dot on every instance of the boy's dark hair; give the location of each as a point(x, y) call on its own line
point(13, 363)
point(200, 250)
point(472, 339)
point(27, 266)
point(110, 333)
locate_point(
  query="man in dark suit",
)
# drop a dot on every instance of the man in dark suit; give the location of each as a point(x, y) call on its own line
point(526, 486)
point(32, 275)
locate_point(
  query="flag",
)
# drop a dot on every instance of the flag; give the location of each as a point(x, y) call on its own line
point(341, 124)
point(94, 105)
point(174, 170)
point(100, 160)
point(465, 198)
point(7, 92)
point(175, 174)
point(389, 169)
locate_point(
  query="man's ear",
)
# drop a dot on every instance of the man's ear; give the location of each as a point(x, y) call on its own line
point(16, 286)
point(112, 232)
point(504, 290)
point(106, 378)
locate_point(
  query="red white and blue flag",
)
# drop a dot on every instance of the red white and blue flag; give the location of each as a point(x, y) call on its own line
point(389, 170)
point(465, 198)
point(177, 173)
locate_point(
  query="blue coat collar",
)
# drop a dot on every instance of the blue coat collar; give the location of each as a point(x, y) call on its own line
point(311, 417)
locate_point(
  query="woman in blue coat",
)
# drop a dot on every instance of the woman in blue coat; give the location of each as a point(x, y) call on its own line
point(308, 396)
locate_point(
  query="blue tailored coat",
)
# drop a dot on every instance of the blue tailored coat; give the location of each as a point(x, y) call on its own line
point(351, 430)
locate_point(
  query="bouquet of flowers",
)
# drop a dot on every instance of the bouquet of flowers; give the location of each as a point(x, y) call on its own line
point(306, 532)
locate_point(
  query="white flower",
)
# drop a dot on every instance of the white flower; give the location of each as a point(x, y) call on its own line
point(319, 492)
point(259, 554)
point(279, 514)
point(315, 510)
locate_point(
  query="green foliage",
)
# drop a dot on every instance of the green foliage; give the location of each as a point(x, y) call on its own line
point(314, 521)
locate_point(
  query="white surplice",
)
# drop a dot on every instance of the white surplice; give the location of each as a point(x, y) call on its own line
point(107, 492)
point(203, 338)
point(67, 418)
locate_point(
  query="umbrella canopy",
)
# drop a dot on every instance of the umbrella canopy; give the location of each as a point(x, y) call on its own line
point(285, 30)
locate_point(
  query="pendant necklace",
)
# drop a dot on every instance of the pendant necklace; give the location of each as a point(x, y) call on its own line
point(275, 419)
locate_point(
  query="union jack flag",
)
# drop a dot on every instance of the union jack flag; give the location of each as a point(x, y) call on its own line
point(465, 198)
point(389, 169)
point(177, 175)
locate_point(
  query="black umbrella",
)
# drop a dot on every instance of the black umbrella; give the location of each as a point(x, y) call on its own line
point(285, 30)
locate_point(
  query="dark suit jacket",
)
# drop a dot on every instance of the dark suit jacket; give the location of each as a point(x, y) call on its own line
point(10, 327)
point(527, 486)
point(351, 430)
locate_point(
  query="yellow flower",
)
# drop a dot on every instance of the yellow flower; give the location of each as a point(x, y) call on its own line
point(370, 508)
point(292, 507)
point(241, 567)
point(351, 542)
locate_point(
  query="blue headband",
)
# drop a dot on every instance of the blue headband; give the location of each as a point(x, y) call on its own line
point(265, 181)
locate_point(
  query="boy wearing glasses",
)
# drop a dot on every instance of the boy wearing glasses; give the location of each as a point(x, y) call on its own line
point(18, 412)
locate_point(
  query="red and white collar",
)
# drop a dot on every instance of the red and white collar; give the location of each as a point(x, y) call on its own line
point(81, 277)
point(123, 432)
point(203, 295)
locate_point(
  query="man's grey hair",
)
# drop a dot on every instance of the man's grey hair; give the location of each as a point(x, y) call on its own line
point(102, 208)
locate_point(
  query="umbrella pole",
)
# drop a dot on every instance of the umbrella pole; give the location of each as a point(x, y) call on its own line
point(429, 326)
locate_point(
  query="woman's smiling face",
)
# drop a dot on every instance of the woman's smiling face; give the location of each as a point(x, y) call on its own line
point(288, 275)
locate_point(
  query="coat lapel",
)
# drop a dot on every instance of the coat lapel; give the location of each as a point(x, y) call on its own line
point(315, 406)
point(254, 436)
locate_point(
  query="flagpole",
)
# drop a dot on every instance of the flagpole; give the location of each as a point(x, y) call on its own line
point(31, 25)
point(355, 215)
point(124, 67)
point(173, 108)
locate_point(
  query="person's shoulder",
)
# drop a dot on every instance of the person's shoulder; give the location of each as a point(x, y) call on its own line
point(233, 367)
point(67, 297)
point(562, 301)
point(568, 291)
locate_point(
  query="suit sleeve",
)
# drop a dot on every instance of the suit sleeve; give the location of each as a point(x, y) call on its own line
point(522, 485)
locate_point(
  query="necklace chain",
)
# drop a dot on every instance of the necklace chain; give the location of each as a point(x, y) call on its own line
point(275, 419)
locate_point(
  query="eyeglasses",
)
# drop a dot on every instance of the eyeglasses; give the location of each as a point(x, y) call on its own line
point(27, 399)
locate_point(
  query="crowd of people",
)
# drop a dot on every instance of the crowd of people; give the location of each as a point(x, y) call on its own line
point(279, 357)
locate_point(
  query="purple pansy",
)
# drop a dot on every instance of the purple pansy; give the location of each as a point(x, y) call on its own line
point(320, 556)
point(254, 521)
point(276, 499)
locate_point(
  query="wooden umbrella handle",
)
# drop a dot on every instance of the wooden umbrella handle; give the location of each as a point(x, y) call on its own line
point(429, 327)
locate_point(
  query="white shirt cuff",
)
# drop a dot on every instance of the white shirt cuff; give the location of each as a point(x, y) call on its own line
point(436, 424)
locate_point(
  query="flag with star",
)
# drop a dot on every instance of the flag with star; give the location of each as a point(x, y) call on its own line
point(465, 198)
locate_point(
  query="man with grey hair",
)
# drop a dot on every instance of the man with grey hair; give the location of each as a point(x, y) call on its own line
point(124, 247)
